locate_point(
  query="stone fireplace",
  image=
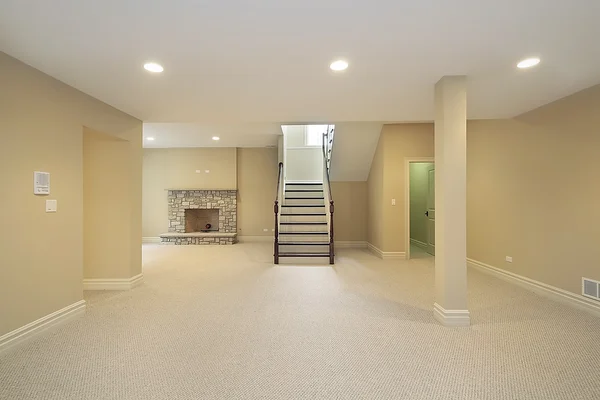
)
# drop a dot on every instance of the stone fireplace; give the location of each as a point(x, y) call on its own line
point(189, 211)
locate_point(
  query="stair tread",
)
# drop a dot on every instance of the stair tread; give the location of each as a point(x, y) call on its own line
point(305, 198)
point(303, 233)
point(303, 215)
point(303, 255)
point(303, 243)
point(304, 190)
point(303, 205)
point(303, 183)
point(303, 223)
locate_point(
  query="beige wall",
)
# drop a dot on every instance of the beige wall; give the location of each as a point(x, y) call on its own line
point(257, 186)
point(387, 227)
point(106, 206)
point(532, 190)
point(419, 191)
point(253, 171)
point(532, 187)
point(41, 129)
point(350, 216)
point(176, 169)
point(375, 197)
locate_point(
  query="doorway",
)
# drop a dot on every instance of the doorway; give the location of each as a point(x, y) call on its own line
point(420, 212)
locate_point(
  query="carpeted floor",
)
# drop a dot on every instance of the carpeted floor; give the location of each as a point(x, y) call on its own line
point(223, 323)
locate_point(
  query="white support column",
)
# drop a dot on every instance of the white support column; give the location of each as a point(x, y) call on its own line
point(450, 306)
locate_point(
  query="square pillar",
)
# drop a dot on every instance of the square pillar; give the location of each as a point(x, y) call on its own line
point(450, 306)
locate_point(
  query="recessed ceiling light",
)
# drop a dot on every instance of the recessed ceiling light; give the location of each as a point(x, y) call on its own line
point(153, 67)
point(150, 138)
point(338, 65)
point(215, 138)
point(528, 63)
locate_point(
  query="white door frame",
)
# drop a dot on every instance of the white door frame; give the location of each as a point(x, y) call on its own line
point(407, 161)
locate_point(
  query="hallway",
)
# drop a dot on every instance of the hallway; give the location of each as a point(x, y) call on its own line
point(221, 322)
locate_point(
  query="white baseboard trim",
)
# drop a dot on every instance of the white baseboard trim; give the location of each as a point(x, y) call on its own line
point(350, 244)
point(543, 289)
point(113, 284)
point(418, 243)
point(150, 239)
point(451, 318)
point(250, 239)
point(33, 328)
point(386, 254)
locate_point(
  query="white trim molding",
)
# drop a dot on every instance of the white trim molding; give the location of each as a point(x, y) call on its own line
point(113, 284)
point(418, 243)
point(151, 239)
point(543, 289)
point(33, 328)
point(350, 244)
point(385, 255)
point(451, 318)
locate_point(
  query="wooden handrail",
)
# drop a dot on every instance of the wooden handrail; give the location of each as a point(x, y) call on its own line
point(276, 211)
point(279, 174)
point(326, 155)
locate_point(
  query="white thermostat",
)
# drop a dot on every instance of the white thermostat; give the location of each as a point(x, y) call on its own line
point(41, 182)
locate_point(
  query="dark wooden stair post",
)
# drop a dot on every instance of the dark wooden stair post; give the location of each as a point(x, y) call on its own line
point(276, 253)
point(276, 210)
point(331, 244)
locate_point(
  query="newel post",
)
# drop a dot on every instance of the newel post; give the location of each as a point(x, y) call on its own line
point(331, 245)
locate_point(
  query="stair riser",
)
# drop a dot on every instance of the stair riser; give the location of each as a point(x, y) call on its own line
point(304, 238)
point(304, 249)
point(291, 186)
point(303, 228)
point(304, 218)
point(316, 202)
point(302, 210)
point(306, 195)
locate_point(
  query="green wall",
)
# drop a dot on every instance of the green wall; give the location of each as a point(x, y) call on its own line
point(418, 200)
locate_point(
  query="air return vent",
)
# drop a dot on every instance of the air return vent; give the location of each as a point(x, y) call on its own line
point(590, 288)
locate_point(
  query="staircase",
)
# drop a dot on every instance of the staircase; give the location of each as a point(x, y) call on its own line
point(304, 216)
point(303, 228)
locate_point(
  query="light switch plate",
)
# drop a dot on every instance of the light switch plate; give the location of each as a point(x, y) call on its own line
point(51, 205)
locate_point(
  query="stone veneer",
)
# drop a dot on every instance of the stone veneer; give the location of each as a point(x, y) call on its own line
point(198, 238)
point(223, 200)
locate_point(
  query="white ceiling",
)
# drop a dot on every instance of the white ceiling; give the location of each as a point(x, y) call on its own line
point(231, 63)
point(200, 135)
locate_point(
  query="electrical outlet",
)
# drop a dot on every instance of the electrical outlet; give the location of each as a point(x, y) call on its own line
point(265, 230)
point(508, 259)
point(393, 202)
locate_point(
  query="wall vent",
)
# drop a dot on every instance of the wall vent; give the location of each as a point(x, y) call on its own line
point(590, 288)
